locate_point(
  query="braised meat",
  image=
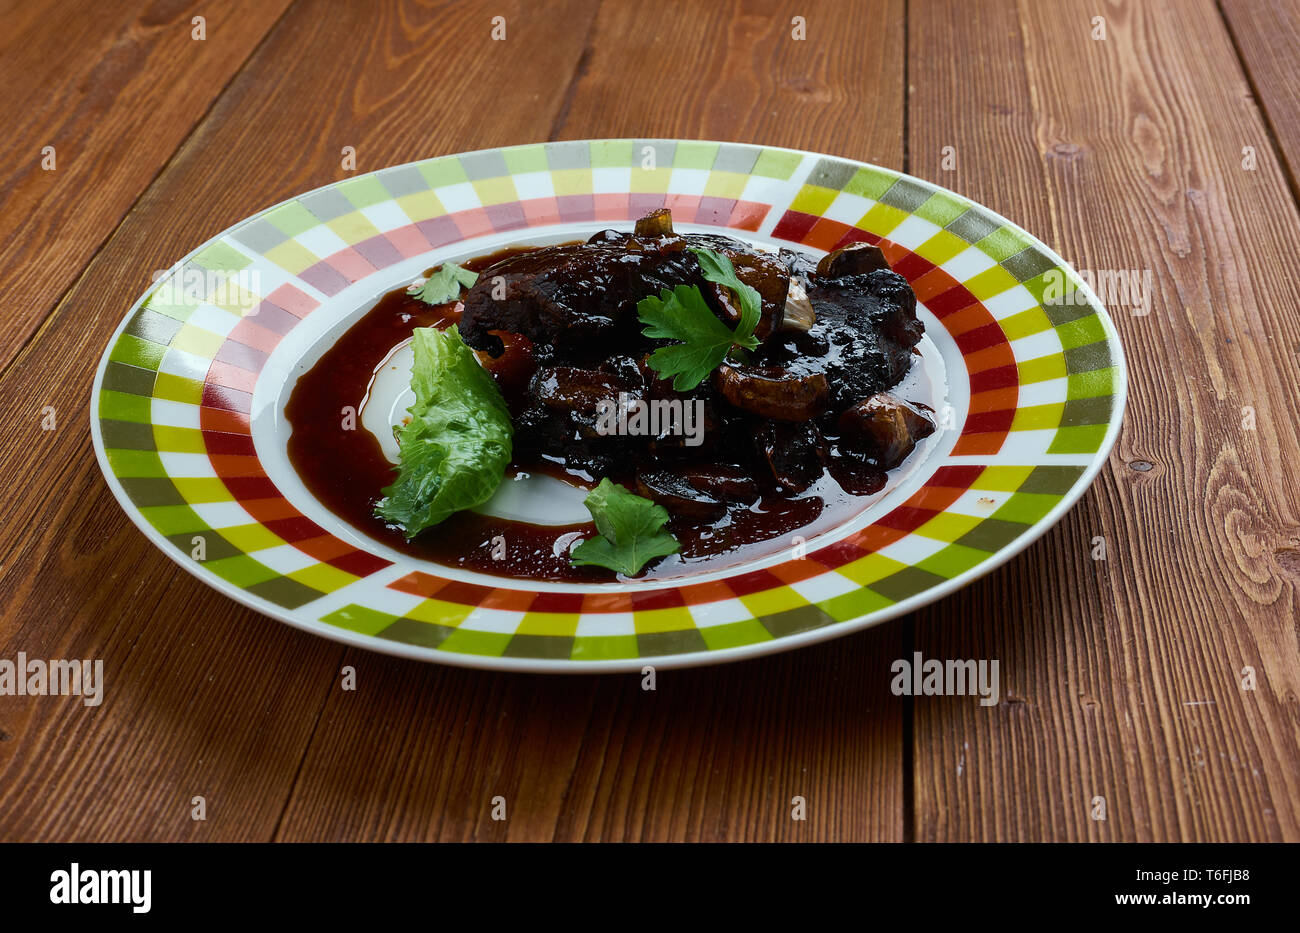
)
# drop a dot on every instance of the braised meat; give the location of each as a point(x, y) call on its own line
point(865, 326)
point(834, 336)
point(578, 300)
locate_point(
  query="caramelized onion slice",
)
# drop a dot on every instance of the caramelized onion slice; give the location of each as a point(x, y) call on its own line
point(854, 259)
point(772, 392)
point(678, 495)
point(656, 223)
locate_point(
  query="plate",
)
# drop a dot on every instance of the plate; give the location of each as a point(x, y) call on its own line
point(188, 423)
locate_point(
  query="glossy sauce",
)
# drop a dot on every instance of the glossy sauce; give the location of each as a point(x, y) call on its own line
point(346, 470)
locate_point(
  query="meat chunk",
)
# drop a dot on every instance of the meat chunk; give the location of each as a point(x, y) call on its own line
point(862, 339)
point(575, 301)
point(853, 259)
point(566, 388)
point(793, 453)
point(885, 428)
point(568, 298)
point(834, 336)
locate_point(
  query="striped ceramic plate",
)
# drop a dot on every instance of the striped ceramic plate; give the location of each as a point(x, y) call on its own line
point(187, 413)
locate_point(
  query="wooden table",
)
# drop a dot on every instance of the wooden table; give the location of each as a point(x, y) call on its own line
point(1171, 145)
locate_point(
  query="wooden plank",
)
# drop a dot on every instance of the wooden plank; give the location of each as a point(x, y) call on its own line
point(420, 752)
point(1266, 34)
point(1121, 679)
point(715, 754)
point(114, 90)
point(202, 696)
point(743, 76)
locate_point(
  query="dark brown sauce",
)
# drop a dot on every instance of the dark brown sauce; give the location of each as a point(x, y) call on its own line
point(346, 470)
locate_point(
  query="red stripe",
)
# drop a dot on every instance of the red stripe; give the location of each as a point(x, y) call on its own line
point(250, 488)
point(656, 599)
point(295, 529)
point(557, 602)
point(754, 582)
point(980, 338)
point(857, 235)
point(236, 465)
point(417, 584)
point(221, 443)
point(986, 422)
point(359, 563)
point(956, 477)
point(913, 267)
point(907, 518)
point(825, 234)
point(223, 422)
point(215, 396)
point(748, 215)
point(293, 300)
point(793, 226)
point(953, 300)
point(1001, 377)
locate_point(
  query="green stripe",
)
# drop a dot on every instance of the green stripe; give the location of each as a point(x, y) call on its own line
point(133, 351)
point(123, 406)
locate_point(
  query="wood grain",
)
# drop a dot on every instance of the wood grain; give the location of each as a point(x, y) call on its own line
point(745, 78)
point(419, 753)
point(710, 755)
point(114, 91)
point(1266, 34)
point(1121, 678)
point(203, 696)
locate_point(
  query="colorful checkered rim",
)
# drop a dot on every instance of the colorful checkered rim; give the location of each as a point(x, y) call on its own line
point(172, 403)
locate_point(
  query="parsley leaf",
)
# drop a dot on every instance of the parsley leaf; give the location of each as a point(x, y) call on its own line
point(631, 531)
point(683, 315)
point(454, 450)
point(444, 285)
point(718, 269)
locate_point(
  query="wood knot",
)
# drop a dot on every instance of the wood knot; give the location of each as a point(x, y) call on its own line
point(1142, 466)
point(807, 87)
point(1064, 151)
point(1288, 560)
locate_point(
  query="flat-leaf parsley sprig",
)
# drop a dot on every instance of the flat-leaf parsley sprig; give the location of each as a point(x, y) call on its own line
point(631, 531)
point(444, 285)
point(703, 341)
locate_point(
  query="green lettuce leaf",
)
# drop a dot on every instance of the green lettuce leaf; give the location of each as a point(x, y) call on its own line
point(631, 531)
point(455, 448)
